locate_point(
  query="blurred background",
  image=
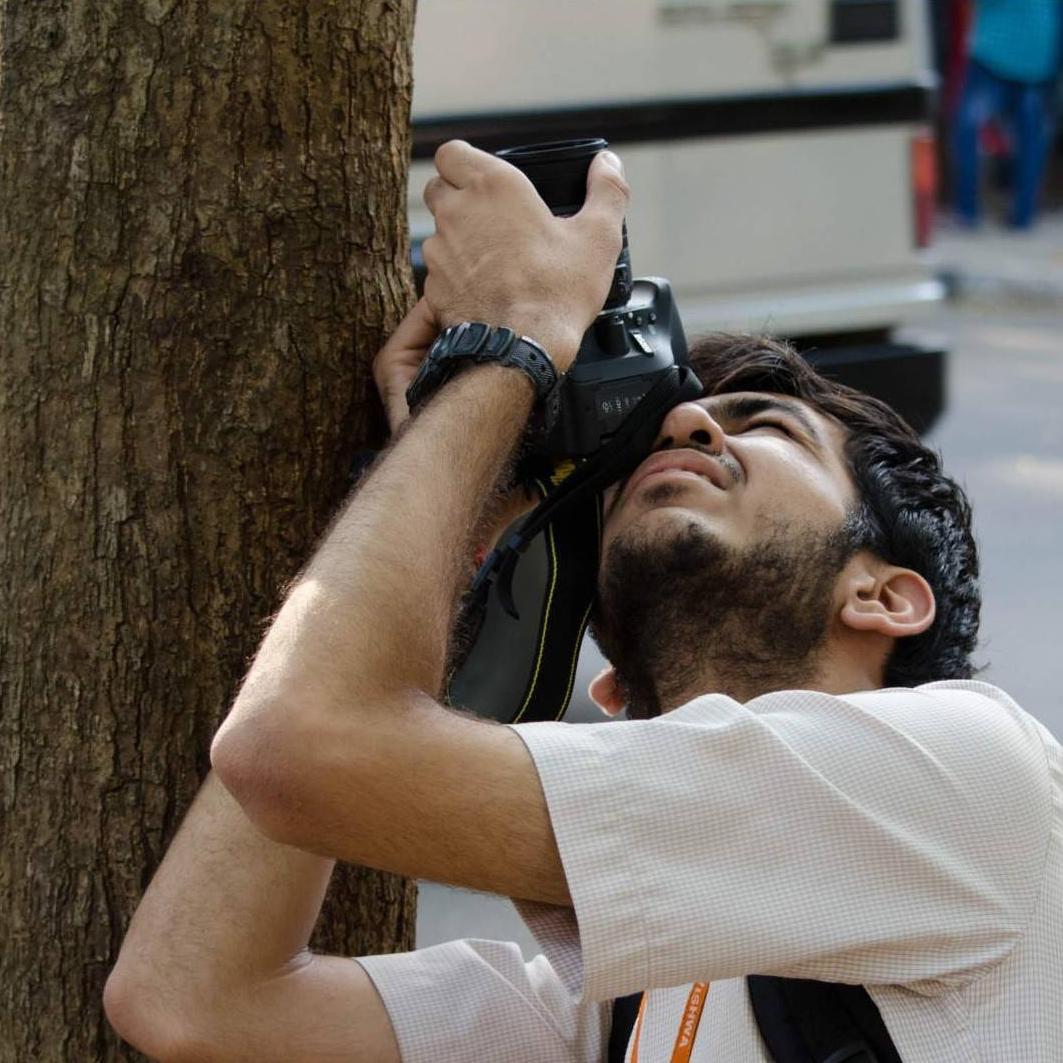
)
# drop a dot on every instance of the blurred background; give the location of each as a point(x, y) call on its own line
point(879, 181)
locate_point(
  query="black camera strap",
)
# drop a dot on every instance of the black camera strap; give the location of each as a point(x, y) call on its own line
point(621, 455)
point(573, 542)
point(522, 668)
point(495, 676)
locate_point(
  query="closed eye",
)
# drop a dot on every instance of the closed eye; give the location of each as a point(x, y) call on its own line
point(770, 424)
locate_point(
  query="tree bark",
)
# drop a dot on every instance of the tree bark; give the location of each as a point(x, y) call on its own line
point(202, 244)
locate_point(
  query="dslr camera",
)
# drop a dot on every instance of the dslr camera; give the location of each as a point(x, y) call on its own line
point(636, 339)
point(521, 625)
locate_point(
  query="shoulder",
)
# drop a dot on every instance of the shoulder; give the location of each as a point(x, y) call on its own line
point(962, 720)
point(961, 745)
point(962, 726)
point(964, 714)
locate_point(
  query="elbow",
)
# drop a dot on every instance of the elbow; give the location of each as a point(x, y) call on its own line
point(140, 1018)
point(261, 764)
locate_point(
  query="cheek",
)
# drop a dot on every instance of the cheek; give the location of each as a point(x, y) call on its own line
point(801, 488)
point(610, 519)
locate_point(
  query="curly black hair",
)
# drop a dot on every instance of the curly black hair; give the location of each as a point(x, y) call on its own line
point(910, 513)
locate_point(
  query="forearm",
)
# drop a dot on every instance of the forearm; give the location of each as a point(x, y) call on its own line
point(226, 908)
point(372, 612)
point(337, 742)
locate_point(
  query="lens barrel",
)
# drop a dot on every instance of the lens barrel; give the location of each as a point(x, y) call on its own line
point(558, 170)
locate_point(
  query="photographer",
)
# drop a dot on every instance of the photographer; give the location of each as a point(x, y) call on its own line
point(789, 549)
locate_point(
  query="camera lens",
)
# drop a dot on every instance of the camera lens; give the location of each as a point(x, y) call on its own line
point(558, 169)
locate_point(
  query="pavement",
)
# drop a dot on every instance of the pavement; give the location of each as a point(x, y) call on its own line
point(996, 264)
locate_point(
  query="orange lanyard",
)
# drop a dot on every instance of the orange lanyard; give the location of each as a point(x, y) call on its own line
point(688, 1026)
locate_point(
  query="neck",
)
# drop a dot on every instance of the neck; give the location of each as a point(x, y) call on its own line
point(832, 670)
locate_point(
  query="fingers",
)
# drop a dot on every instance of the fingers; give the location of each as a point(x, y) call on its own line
point(417, 329)
point(436, 192)
point(459, 163)
point(397, 362)
point(608, 194)
point(461, 166)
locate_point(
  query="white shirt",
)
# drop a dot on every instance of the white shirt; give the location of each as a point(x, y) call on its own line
point(906, 840)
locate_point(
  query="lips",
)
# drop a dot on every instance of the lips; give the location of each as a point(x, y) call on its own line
point(703, 465)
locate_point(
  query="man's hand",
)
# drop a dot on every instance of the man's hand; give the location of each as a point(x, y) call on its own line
point(399, 359)
point(498, 254)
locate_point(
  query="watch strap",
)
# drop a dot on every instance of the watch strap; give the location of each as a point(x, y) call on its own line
point(527, 355)
point(476, 343)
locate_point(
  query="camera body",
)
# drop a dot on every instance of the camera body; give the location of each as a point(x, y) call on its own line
point(622, 355)
point(635, 340)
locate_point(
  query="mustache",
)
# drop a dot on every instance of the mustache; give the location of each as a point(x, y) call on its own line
point(725, 460)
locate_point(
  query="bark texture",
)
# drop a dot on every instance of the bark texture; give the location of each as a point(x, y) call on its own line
point(202, 243)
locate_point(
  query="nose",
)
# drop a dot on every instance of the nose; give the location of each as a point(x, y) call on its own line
point(690, 422)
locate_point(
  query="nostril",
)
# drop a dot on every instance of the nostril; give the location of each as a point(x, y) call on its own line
point(701, 436)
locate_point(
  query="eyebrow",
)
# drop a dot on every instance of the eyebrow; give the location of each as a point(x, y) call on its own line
point(739, 408)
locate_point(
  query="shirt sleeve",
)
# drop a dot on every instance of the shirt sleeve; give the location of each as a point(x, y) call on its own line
point(467, 1001)
point(892, 836)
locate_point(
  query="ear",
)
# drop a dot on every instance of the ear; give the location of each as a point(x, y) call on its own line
point(885, 599)
point(605, 691)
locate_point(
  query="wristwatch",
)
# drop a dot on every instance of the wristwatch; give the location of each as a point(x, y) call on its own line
point(474, 343)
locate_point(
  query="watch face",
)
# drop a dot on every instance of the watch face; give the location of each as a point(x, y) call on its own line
point(427, 378)
point(432, 370)
point(474, 342)
point(441, 344)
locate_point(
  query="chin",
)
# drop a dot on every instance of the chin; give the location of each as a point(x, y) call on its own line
point(661, 526)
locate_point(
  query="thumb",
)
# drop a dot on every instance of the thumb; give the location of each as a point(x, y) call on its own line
point(607, 191)
point(417, 329)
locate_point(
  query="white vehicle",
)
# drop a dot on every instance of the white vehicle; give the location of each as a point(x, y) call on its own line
point(778, 151)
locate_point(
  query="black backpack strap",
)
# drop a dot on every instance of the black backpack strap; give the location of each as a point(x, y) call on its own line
point(802, 1021)
point(625, 1012)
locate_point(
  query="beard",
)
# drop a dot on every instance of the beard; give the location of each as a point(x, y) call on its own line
point(671, 611)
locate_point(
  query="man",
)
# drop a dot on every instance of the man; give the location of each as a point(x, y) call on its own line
point(789, 549)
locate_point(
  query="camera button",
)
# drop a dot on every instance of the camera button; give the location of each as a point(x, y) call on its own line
point(641, 342)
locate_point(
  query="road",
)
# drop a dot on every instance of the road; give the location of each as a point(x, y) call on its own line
point(1002, 437)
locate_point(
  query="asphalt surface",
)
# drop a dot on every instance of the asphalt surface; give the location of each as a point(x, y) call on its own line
point(1002, 437)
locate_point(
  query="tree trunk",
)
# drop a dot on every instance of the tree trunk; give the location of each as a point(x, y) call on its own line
point(202, 244)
